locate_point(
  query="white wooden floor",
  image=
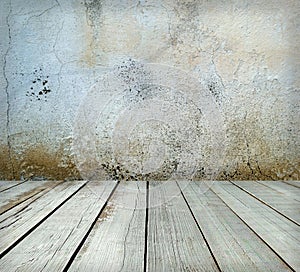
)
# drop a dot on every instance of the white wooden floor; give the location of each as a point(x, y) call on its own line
point(149, 226)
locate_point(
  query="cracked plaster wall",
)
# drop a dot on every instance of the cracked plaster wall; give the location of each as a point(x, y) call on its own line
point(245, 53)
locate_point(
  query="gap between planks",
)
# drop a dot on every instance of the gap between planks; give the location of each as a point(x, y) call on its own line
point(16, 227)
point(280, 234)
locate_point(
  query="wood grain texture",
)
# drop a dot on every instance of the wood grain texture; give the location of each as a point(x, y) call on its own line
point(117, 241)
point(281, 187)
point(51, 245)
point(295, 183)
point(19, 225)
point(234, 245)
point(202, 227)
point(288, 206)
point(6, 184)
point(175, 242)
point(13, 211)
point(16, 195)
point(282, 235)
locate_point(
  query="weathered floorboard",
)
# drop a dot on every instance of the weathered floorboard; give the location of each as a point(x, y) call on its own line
point(15, 195)
point(6, 184)
point(55, 226)
point(282, 235)
point(51, 245)
point(117, 240)
point(25, 203)
point(278, 201)
point(235, 246)
point(295, 183)
point(283, 188)
point(175, 242)
point(16, 227)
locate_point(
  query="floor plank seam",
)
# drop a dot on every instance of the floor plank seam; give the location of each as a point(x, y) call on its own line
point(298, 187)
point(265, 203)
point(146, 227)
point(281, 258)
point(196, 222)
point(12, 186)
point(69, 263)
point(25, 199)
point(39, 223)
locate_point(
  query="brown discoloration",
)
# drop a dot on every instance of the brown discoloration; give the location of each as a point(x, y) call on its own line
point(251, 156)
point(6, 169)
point(93, 20)
point(88, 54)
point(107, 212)
point(26, 195)
point(38, 162)
point(283, 170)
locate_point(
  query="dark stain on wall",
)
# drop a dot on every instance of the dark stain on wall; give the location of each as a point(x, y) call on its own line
point(117, 171)
point(94, 10)
point(37, 163)
point(134, 76)
point(283, 170)
point(216, 91)
point(39, 87)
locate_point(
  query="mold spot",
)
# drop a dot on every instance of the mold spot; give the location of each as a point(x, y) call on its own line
point(94, 10)
point(215, 87)
point(40, 86)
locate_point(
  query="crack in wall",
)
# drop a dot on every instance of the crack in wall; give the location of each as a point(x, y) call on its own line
point(7, 92)
point(45, 11)
point(56, 55)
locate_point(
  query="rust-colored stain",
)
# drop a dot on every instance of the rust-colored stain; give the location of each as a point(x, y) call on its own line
point(6, 171)
point(106, 213)
point(37, 162)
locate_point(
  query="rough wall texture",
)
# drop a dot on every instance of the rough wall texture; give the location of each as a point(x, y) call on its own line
point(244, 53)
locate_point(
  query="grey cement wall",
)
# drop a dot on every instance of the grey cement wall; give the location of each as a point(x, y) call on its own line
point(149, 89)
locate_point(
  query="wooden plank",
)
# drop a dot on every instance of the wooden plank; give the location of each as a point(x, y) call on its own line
point(16, 227)
point(282, 235)
point(295, 183)
point(6, 184)
point(175, 242)
point(16, 195)
point(283, 188)
point(117, 240)
point(13, 211)
point(234, 245)
point(287, 206)
point(51, 245)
